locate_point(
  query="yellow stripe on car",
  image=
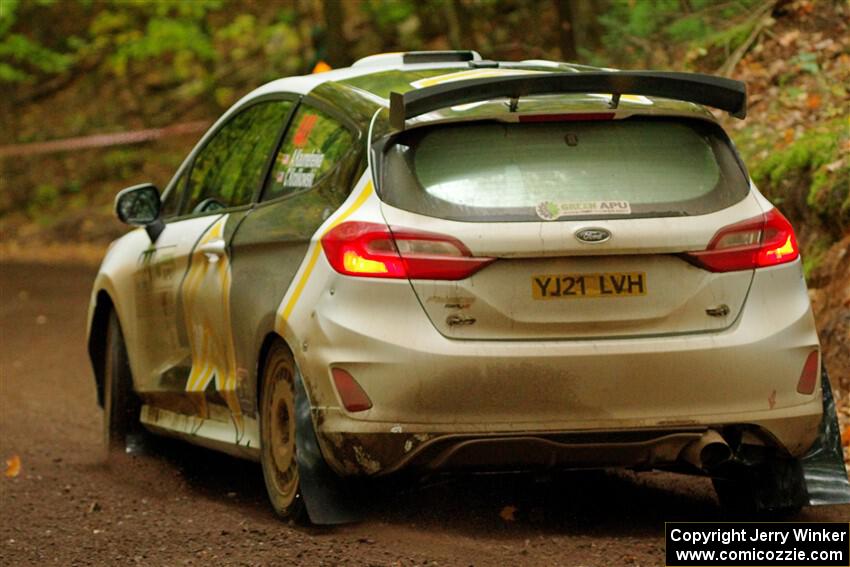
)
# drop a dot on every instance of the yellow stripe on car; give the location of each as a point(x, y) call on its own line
point(210, 336)
point(317, 247)
point(472, 74)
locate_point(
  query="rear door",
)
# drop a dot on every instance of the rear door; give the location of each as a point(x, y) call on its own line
point(227, 174)
point(587, 221)
point(311, 175)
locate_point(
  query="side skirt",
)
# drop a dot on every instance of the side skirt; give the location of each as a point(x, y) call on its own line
point(219, 435)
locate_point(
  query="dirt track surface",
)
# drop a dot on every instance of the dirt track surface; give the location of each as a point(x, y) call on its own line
point(188, 506)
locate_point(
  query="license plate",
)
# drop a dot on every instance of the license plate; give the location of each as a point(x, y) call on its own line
point(608, 284)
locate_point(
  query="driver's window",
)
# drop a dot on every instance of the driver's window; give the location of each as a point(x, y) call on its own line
point(230, 167)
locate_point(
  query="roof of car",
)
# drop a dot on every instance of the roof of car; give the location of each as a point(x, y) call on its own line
point(365, 87)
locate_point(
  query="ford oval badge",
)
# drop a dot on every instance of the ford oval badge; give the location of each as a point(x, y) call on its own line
point(593, 235)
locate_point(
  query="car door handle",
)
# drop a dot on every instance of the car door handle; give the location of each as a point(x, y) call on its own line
point(213, 249)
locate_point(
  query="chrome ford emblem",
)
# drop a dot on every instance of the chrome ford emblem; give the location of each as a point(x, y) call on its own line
point(593, 235)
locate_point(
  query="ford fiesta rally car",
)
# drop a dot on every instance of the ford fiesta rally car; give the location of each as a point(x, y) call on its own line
point(432, 262)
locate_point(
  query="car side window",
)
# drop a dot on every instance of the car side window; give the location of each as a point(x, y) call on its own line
point(314, 146)
point(231, 166)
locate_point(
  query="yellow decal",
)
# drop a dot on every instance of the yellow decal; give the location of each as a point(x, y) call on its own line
point(206, 301)
point(472, 74)
point(317, 247)
point(637, 99)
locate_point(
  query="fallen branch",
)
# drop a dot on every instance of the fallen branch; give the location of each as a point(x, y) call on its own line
point(761, 17)
point(102, 140)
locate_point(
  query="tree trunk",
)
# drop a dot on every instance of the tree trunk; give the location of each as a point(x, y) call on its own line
point(566, 21)
point(337, 45)
point(587, 30)
point(459, 37)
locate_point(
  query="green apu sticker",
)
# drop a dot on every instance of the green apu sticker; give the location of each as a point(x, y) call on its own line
point(547, 210)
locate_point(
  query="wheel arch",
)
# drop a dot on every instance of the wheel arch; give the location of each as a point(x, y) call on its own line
point(98, 329)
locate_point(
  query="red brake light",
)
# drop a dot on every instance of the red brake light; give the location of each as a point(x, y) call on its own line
point(764, 241)
point(371, 250)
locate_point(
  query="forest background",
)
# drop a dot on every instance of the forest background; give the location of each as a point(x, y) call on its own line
point(79, 68)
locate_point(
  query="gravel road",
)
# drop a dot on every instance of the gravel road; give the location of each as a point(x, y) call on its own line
point(182, 505)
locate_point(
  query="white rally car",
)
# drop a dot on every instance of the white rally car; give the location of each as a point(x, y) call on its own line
point(432, 262)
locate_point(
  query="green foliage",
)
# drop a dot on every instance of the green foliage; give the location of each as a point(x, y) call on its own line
point(807, 62)
point(688, 28)
point(639, 30)
point(814, 160)
point(8, 8)
point(21, 57)
point(140, 63)
point(387, 13)
point(44, 199)
point(182, 39)
point(120, 162)
point(814, 253)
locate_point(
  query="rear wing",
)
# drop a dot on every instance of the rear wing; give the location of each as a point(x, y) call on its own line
point(717, 92)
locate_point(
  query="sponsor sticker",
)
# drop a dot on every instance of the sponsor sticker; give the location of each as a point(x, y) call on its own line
point(299, 179)
point(548, 210)
point(303, 159)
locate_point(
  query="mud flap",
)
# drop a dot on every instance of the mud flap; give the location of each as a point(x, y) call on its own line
point(328, 499)
point(823, 466)
point(759, 481)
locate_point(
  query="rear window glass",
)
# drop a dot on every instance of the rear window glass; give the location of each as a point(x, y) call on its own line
point(491, 171)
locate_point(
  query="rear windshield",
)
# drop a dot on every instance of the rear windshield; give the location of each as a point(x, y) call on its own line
point(493, 171)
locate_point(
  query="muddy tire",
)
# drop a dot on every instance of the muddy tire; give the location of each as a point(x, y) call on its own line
point(735, 497)
point(121, 406)
point(277, 432)
point(738, 497)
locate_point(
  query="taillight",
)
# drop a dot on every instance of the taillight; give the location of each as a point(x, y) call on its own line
point(767, 240)
point(372, 250)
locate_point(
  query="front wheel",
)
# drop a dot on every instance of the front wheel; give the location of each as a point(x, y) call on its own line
point(277, 431)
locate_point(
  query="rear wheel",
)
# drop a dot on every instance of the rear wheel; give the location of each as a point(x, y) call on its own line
point(121, 407)
point(759, 491)
point(277, 430)
point(736, 496)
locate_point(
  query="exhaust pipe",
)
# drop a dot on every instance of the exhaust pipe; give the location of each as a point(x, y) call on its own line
point(707, 452)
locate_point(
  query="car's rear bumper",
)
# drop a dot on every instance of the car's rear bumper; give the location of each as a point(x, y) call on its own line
point(427, 390)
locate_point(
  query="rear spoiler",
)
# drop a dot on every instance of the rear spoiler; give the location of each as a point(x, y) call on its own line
point(717, 92)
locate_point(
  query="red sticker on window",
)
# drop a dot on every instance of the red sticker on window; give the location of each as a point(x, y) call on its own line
point(304, 128)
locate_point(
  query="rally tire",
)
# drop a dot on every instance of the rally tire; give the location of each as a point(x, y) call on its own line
point(277, 431)
point(738, 500)
point(121, 406)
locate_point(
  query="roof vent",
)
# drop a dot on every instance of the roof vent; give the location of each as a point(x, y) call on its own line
point(484, 64)
point(413, 57)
